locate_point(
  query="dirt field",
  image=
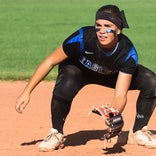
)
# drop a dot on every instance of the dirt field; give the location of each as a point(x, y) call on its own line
point(21, 134)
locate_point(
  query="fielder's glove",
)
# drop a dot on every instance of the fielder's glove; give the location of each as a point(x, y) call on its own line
point(113, 119)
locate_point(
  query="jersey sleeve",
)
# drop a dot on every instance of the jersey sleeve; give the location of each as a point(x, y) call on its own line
point(130, 62)
point(74, 44)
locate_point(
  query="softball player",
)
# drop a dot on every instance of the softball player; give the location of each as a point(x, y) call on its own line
point(103, 55)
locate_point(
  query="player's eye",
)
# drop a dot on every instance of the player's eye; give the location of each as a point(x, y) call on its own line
point(107, 26)
point(97, 27)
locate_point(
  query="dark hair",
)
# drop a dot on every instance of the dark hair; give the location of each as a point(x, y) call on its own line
point(113, 14)
point(112, 9)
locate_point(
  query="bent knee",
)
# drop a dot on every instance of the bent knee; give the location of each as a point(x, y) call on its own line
point(149, 93)
point(68, 83)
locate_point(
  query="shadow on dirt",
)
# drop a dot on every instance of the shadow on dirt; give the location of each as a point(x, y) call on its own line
point(117, 148)
point(31, 142)
point(82, 137)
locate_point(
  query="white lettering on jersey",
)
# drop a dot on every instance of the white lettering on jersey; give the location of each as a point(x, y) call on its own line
point(95, 67)
point(89, 52)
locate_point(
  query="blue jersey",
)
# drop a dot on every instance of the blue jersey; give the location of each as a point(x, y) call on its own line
point(83, 51)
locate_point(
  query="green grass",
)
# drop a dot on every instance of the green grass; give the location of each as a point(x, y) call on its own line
point(31, 29)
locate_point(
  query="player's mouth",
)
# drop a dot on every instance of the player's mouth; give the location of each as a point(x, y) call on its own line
point(102, 37)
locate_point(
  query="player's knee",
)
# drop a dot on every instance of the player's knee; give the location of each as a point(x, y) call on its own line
point(149, 93)
point(68, 83)
point(149, 89)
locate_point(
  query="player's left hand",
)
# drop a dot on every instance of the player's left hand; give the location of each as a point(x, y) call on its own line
point(113, 119)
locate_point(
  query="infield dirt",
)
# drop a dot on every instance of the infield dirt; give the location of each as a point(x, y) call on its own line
point(20, 134)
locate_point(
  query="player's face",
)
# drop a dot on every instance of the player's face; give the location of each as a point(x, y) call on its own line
point(106, 33)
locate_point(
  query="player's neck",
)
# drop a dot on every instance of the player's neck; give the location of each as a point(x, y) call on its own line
point(110, 47)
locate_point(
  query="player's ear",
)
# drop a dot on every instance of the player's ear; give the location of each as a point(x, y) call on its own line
point(118, 31)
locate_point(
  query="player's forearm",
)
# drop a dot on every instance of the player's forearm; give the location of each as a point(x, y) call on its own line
point(38, 75)
point(119, 102)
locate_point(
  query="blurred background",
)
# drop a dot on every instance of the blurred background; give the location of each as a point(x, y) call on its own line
point(31, 29)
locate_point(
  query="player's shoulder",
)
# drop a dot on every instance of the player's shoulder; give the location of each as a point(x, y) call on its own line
point(89, 33)
point(82, 31)
point(124, 40)
point(124, 37)
point(87, 29)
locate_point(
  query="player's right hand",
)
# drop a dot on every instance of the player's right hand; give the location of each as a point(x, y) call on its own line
point(22, 102)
